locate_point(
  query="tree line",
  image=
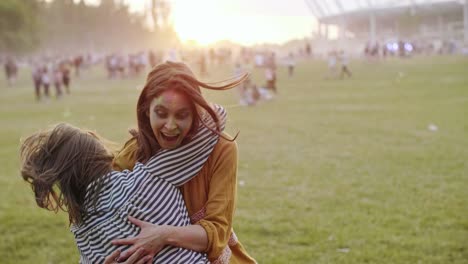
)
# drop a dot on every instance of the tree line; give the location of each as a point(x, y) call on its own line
point(74, 26)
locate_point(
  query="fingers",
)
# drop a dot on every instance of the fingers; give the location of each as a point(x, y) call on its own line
point(124, 241)
point(129, 252)
point(149, 259)
point(134, 257)
point(137, 222)
point(146, 259)
point(112, 257)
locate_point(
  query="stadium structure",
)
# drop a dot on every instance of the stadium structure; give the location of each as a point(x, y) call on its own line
point(379, 21)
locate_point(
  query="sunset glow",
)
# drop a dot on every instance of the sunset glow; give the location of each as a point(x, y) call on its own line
point(242, 21)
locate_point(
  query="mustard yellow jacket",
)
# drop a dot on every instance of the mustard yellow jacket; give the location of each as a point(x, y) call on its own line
point(210, 198)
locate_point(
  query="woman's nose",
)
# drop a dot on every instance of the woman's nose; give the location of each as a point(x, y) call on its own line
point(171, 124)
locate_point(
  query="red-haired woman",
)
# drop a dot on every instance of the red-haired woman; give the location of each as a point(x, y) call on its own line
point(168, 112)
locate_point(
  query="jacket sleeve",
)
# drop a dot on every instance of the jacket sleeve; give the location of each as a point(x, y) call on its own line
point(221, 201)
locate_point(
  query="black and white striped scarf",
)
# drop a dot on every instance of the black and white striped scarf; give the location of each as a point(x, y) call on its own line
point(148, 193)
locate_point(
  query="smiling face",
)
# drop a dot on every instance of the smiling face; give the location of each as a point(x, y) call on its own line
point(171, 117)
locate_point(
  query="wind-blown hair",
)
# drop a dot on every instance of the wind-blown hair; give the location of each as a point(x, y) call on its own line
point(178, 77)
point(60, 164)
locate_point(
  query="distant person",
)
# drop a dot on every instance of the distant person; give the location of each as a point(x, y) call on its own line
point(332, 61)
point(259, 60)
point(37, 80)
point(291, 63)
point(247, 91)
point(270, 79)
point(401, 49)
point(384, 51)
point(57, 78)
point(344, 60)
point(270, 73)
point(367, 50)
point(308, 50)
point(250, 94)
point(11, 71)
point(65, 70)
point(122, 65)
point(77, 63)
point(112, 66)
point(254, 93)
point(375, 51)
point(45, 80)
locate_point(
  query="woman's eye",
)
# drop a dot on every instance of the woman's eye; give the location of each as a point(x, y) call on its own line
point(161, 114)
point(182, 115)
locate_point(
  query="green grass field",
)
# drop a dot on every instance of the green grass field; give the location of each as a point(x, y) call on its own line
point(333, 171)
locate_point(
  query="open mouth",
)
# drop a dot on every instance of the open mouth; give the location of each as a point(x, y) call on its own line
point(170, 138)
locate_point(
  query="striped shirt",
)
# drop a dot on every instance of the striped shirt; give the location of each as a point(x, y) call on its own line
point(148, 193)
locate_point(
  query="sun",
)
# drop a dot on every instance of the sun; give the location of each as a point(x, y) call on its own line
point(208, 21)
point(191, 25)
point(203, 31)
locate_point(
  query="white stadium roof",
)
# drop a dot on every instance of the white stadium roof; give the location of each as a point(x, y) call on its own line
point(377, 19)
point(329, 11)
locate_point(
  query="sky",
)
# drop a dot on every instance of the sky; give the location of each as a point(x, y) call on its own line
point(243, 21)
point(251, 22)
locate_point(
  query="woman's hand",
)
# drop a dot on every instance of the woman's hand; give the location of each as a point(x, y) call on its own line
point(133, 259)
point(151, 240)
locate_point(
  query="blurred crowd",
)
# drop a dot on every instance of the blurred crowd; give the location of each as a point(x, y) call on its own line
point(52, 75)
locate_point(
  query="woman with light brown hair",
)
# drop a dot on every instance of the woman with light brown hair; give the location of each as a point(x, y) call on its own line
point(168, 112)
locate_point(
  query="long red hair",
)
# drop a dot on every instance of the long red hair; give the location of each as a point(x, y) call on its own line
point(177, 76)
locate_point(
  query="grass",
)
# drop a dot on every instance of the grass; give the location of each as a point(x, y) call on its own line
point(334, 171)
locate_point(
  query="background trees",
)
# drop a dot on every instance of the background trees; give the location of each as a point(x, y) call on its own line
point(70, 26)
point(18, 25)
